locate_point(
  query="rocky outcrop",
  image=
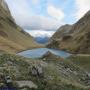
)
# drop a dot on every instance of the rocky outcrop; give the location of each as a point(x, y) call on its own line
point(74, 38)
point(56, 74)
point(36, 70)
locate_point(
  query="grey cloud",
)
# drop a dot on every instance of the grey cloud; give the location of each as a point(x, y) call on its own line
point(21, 12)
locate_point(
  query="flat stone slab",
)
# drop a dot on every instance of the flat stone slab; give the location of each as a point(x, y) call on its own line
point(30, 84)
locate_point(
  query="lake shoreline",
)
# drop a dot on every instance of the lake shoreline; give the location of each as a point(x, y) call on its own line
point(39, 52)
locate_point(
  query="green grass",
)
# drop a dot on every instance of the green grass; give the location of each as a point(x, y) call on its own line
point(18, 68)
point(82, 61)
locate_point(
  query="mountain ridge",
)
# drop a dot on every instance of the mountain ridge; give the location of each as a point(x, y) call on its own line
point(12, 37)
point(76, 40)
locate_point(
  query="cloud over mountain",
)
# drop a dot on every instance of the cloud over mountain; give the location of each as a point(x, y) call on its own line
point(25, 15)
point(55, 12)
point(82, 6)
point(47, 14)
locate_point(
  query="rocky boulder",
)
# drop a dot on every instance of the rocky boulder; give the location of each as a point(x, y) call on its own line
point(36, 70)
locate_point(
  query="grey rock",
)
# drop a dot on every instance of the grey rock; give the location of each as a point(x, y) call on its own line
point(36, 70)
point(30, 84)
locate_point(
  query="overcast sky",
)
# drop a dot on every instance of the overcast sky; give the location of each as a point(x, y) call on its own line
point(47, 14)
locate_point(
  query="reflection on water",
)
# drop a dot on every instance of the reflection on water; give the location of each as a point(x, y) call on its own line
point(37, 53)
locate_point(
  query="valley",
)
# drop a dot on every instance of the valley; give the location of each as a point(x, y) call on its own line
point(61, 62)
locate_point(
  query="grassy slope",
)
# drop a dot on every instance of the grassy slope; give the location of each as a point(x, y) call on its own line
point(70, 70)
point(12, 38)
point(82, 61)
point(19, 69)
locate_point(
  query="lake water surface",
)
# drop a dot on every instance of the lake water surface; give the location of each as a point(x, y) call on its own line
point(37, 53)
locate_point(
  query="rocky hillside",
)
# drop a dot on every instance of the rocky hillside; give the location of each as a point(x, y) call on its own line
point(74, 38)
point(12, 37)
point(63, 30)
point(30, 74)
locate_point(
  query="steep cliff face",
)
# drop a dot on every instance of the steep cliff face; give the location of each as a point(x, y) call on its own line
point(12, 37)
point(77, 37)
